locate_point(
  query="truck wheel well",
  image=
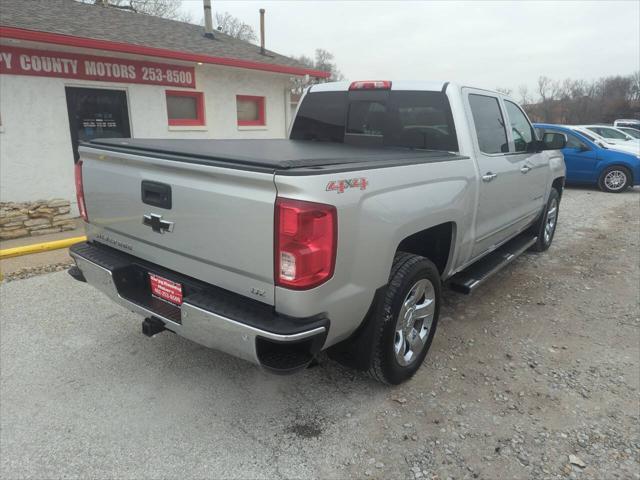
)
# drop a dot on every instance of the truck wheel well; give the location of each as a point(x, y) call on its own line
point(433, 243)
point(558, 184)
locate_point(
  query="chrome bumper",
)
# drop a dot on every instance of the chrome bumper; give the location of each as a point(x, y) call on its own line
point(201, 326)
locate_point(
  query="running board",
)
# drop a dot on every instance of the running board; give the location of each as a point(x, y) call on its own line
point(474, 275)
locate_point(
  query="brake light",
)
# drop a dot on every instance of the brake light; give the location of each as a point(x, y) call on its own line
point(305, 243)
point(80, 191)
point(370, 85)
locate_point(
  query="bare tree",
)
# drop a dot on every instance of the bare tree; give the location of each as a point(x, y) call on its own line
point(504, 91)
point(634, 94)
point(323, 60)
point(544, 88)
point(580, 101)
point(523, 92)
point(235, 27)
point(170, 9)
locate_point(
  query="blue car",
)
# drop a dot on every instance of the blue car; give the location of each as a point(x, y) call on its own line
point(588, 161)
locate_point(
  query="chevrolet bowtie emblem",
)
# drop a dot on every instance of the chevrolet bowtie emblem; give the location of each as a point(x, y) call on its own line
point(156, 223)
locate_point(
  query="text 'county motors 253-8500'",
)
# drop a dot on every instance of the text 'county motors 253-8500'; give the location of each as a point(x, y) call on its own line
point(22, 61)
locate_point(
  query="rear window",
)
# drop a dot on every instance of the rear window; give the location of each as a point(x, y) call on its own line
point(412, 119)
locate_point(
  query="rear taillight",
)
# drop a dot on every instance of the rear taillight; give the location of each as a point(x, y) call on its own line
point(80, 191)
point(370, 85)
point(305, 243)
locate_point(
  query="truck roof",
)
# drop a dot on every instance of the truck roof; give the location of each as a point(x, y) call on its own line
point(271, 155)
point(397, 85)
point(425, 85)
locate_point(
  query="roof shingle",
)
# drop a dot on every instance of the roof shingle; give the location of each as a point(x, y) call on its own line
point(72, 18)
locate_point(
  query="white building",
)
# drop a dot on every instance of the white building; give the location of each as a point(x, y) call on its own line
point(72, 71)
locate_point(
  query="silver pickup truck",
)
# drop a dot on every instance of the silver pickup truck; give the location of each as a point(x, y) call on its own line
point(339, 238)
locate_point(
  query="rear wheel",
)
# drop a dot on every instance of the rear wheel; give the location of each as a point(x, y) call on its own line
point(407, 320)
point(615, 179)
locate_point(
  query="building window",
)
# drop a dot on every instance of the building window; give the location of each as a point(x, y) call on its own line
point(250, 110)
point(185, 108)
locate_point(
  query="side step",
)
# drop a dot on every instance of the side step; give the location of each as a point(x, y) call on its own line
point(474, 275)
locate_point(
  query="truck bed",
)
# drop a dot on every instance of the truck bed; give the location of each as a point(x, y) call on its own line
point(286, 157)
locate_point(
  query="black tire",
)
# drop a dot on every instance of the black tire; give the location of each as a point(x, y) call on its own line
point(544, 241)
point(407, 271)
point(623, 175)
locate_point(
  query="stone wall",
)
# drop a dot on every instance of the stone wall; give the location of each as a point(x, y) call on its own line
point(35, 218)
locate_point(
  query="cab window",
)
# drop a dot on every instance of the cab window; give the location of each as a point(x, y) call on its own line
point(520, 128)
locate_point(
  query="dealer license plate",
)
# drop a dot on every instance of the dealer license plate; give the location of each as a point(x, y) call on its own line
point(166, 289)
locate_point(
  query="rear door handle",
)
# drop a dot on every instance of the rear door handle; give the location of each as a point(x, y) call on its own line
point(525, 169)
point(487, 177)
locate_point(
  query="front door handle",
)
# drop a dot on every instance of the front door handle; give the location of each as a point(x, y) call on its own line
point(525, 169)
point(487, 177)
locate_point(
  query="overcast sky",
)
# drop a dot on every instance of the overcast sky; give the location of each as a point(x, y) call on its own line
point(487, 44)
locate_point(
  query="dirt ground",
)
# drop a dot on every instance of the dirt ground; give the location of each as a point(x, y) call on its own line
point(539, 364)
point(534, 376)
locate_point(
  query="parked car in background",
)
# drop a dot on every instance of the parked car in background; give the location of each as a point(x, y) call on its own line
point(626, 122)
point(635, 133)
point(612, 134)
point(589, 160)
point(628, 147)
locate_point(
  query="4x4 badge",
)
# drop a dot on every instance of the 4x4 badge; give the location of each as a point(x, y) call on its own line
point(341, 185)
point(156, 223)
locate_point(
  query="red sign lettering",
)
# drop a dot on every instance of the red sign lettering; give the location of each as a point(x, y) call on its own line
point(43, 63)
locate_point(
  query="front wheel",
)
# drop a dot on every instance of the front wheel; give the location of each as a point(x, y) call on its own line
point(614, 179)
point(407, 320)
point(545, 227)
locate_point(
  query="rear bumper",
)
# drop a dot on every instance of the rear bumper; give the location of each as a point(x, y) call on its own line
point(210, 316)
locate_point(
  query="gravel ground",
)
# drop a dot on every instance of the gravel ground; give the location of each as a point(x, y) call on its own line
point(28, 272)
point(536, 375)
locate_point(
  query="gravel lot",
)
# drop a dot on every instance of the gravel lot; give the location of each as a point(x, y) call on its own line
point(540, 364)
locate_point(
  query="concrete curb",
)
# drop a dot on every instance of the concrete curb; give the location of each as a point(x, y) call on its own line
point(40, 247)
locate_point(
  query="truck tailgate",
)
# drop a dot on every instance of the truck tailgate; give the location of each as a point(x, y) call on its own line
point(222, 218)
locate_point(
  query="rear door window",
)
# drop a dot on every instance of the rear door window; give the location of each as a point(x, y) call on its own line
point(489, 123)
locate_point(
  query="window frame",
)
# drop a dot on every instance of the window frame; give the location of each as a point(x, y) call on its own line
point(262, 118)
point(501, 108)
point(187, 122)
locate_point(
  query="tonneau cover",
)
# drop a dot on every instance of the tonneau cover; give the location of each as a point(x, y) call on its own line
point(269, 155)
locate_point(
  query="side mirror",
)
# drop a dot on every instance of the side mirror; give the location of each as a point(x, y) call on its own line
point(553, 141)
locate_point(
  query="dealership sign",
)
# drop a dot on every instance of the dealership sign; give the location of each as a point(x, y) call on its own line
point(22, 61)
